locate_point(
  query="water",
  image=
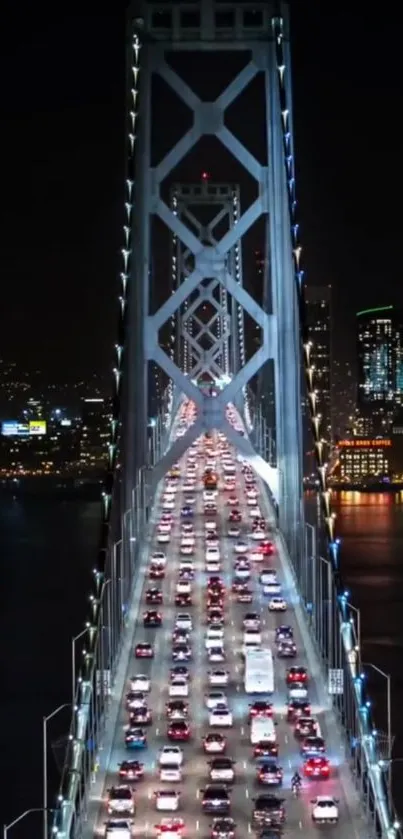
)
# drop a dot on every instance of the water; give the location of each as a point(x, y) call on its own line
point(47, 552)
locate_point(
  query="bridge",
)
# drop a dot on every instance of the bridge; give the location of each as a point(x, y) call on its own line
point(213, 341)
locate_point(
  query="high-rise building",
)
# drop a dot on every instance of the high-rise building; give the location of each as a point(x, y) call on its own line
point(318, 311)
point(95, 430)
point(376, 358)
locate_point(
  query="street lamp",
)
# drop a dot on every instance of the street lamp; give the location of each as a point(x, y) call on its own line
point(45, 721)
point(73, 660)
point(388, 713)
point(7, 827)
point(357, 612)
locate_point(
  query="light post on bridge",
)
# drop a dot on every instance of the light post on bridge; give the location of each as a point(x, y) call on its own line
point(388, 679)
point(309, 579)
point(45, 721)
point(74, 639)
point(357, 612)
point(7, 827)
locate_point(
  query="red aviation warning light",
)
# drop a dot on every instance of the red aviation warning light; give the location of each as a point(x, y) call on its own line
point(205, 176)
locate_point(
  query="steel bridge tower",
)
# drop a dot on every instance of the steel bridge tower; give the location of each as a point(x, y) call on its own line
point(203, 262)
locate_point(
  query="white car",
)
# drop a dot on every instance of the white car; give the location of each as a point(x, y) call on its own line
point(267, 577)
point(222, 770)
point(210, 526)
point(188, 540)
point(234, 532)
point(189, 500)
point(325, 810)
point(297, 692)
point(241, 548)
point(170, 774)
point(210, 495)
point(118, 829)
point(163, 538)
point(220, 716)
point(189, 485)
point(213, 541)
point(186, 549)
point(213, 566)
point(255, 513)
point(140, 683)
point(183, 621)
point(251, 502)
point(164, 527)
point(187, 528)
point(170, 755)
point(214, 635)
point(242, 570)
point(216, 655)
point(218, 678)
point(168, 505)
point(183, 587)
point(251, 621)
point(214, 698)
point(167, 801)
point(252, 493)
point(212, 553)
point(120, 801)
point(258, 535)
point(277, 604)
point(158, 558)
point(178, 688)
point(272, 588)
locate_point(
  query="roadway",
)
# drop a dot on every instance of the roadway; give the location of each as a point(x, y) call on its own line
point(298, 820)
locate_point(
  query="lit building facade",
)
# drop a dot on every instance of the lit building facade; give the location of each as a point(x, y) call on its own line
point(364, 460)
point(319, 318)
point(376, 362)
point(94, 436)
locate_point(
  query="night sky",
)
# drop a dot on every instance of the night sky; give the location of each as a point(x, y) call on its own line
point(63, 163)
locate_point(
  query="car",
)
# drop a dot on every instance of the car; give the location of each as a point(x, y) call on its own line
point(176, 709)
point(167, 800)
point(215, 585)
point(135, 738)
point(180, 636)
point(212, 553)
point(118, 829)
point(143, 650)
point(215, 601)
point(214, 637)
point(254, 512)
point(242, 570)
point(178, 731)
point(212, 566)
point(269, 773)
point(170, 755)
point(210, 526)
point(181, 652)
point(210, 509)
point(267, 576)
point(135, 699)
point(214, 698)
point(222, 769)
point(187, 528)
point(218, 678)
point(269, 750)
point(154, 596)
point(306, 727)
point(179, 687)
point(214, 743)
point(210, 495)
point(186, 512)
point(252, 493)
point(251, 621)
point(220, 716)
point(233, 501)
point(244, 594)
point(286, 649)
point(215, 617)
point(215, 799)
point(212, 539)
point(170, 773)
point(313, 746)
point(168, 503)
point(182, 600)
point(297, 708)
point(131, 770)
point(186, 574)
point(156, 572)
point(235, 517)
point(164, 527)
point(234, 532)
point(237, 585)
point(170, 828)
point(241, 548)
point(216, 655)
point(297, 690)
point(277, 604)
point(316, 767)
point(258, 535)
point(179, 670)
point(139, 682)
point(325, 810)
point(152, 619)
point(183, 587)
point(268, 811)
point(223, 829)
point(183, 620)
point(284, 632)
point(266, 548)
point(187, 546)
point(120, 800)
point(163, 537)
point(260, 708)
point(296, 674)
point(272, 590)
point(190, 500)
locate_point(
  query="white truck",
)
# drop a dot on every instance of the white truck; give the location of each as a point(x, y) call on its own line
point(262, 730)
point(259, 671)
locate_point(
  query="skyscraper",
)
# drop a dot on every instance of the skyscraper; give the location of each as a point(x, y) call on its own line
point(318, 300)
point(376, 349)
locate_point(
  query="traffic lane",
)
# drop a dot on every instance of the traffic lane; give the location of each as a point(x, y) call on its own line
point(154, 668)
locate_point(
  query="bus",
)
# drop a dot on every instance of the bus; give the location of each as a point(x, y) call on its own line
point(259, 671)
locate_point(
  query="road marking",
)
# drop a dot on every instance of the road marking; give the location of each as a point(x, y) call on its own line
point(300, 825)
point(197, 825)
point(197, 793)
point(244, 763)
point(286, 738)
point(149, 794)
point(242, 731)
point(249, 827)
point(247, 793)
point(157, 731)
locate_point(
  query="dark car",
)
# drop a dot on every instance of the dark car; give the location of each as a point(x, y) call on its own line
point(269, 773)
point(154, 595)
point(151, 619)
point(268, 811)
point(216, 799)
